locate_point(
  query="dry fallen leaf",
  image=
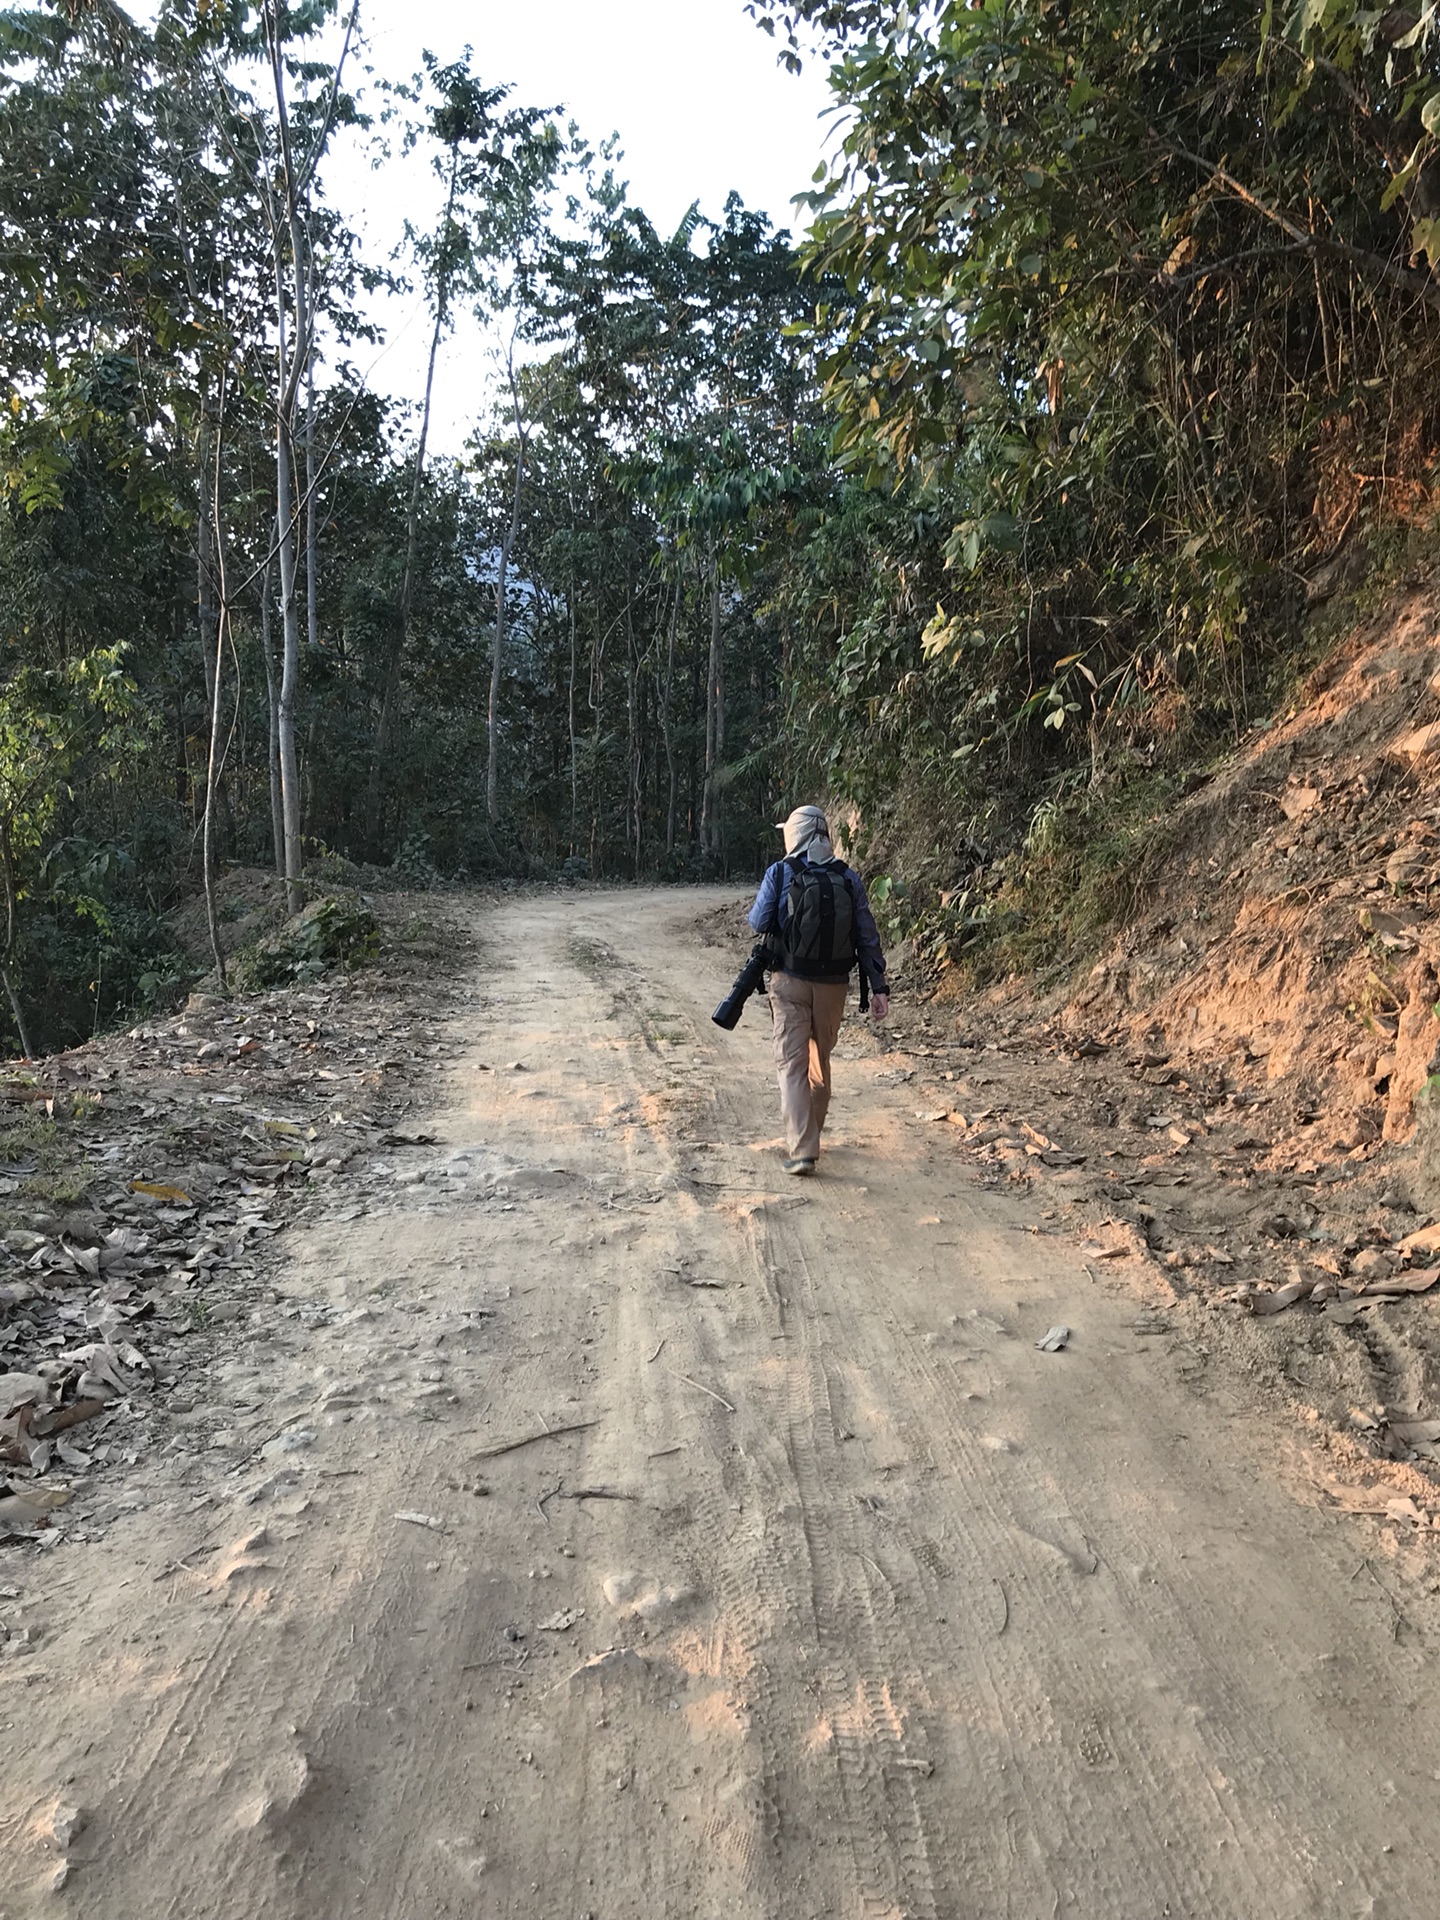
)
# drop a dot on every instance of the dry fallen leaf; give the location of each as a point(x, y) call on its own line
point(1346, 1312)
point(563, 1621)
point(1404, 1508)
point(1399, 1283)
point(429, 1520)
point(1296, 802)
point(31, 1508)
point(1359, 1499)
point(1260, 1301)
point(22, 1390)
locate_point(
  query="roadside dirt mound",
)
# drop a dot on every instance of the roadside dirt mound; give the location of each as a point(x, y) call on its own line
point(249, 902)
point(1288, 918)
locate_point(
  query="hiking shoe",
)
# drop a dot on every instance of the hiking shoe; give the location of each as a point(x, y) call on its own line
point(799, 1166)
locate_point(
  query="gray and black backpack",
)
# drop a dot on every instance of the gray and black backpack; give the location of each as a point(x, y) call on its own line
point(817, 937)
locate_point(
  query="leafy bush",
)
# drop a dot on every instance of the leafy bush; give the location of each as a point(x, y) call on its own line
point(335, 930)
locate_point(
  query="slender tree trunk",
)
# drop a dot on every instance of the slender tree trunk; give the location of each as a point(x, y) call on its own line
point(502, 581)
point(12, 928)
point(597, 708)
point(289, 625)
point(216, 678)
point(632, 737)
point(204, 555)
point(287, 187)
point(574, 737)
point(667, 722)
point(714, 720)
point(212, 770)
point(312, 586)
point(400, 630)
point(272, 698)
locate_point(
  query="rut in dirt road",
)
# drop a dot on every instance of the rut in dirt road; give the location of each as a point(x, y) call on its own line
point(636, 1535)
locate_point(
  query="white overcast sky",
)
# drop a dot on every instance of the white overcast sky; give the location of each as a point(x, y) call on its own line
point(692, 87)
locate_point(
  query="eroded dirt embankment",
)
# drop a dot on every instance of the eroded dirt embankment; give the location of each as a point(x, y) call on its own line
point(1242, 1097)
point(1289, 915)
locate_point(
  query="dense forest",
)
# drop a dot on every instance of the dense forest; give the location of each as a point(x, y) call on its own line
point(986, 509)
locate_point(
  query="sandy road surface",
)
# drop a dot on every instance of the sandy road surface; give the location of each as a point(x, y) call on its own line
point(845, 1601)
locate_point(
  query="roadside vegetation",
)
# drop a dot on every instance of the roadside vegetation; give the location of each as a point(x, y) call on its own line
point(998, 507)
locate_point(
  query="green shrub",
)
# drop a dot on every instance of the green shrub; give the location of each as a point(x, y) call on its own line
point(335, 930)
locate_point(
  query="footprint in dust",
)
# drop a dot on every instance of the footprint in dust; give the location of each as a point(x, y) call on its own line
point(641, 1596)
point(286, 1784)
point(1093, 1741)
point(466, 1856)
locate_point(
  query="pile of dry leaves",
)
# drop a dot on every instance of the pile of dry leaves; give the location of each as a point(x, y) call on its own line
point(144, 1177)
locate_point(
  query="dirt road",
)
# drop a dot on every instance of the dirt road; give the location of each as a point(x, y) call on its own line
point(826, 1595)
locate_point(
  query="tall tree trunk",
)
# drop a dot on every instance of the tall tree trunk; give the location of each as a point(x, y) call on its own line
point(216, 677)
point(400, 629)
point(272, 700)
point(502, 582)
point(212, 774)
point(312, 587)
point(667, 722)
point(12, 931)
point(714, 720)
point(633, 797)
point(597, 708)
point(574, 737)
point(287, 187)
point(289, 621)
point(204, 552)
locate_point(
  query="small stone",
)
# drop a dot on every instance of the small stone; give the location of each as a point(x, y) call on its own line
point(65, 1825)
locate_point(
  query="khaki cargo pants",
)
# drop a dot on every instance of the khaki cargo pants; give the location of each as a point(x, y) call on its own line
point(807, 1016)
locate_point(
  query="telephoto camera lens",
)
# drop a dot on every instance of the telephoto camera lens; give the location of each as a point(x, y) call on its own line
point(750, 979)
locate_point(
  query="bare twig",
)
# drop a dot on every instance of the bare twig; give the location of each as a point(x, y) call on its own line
point(1397, 1619)
point(522, 1654)
point(540, 1503)
point(529, 1439)
point(1419, 284)
point(702, 1388)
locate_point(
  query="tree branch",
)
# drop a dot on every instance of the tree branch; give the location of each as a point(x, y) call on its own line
point(1422, 285)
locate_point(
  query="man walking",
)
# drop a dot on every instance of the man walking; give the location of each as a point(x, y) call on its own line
point(814, 910)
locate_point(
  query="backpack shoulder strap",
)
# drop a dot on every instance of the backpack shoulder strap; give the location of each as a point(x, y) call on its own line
point(789, 868)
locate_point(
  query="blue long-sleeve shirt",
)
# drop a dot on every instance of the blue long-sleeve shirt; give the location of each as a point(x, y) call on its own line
point(772, 903)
